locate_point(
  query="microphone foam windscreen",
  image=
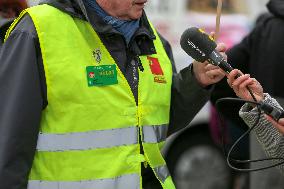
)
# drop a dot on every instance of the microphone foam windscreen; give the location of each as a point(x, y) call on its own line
point(197, 44)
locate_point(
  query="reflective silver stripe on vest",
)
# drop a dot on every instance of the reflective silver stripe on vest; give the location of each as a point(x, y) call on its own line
point(155, 134)
point(123, 182)
point(87, 140)
point(162, 172)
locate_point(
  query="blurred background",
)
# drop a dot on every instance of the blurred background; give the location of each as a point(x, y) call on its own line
point(173, 17)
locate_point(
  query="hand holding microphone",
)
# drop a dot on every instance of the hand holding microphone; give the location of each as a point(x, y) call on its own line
point(240, 82)
point(202, 48)
point(205, 73)
point(240, 86)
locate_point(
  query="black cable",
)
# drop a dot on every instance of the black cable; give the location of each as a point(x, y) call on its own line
point(228, 158)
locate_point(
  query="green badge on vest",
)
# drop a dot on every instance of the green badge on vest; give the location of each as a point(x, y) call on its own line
point(101, 75)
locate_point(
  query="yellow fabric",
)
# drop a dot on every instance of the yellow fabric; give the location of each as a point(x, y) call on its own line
point(66, 45)
point(169, 184)
point(87, 165)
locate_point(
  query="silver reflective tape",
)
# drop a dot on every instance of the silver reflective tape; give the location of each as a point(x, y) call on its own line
point(87, 140)
point(123, 182)
point(162, 172)
point(155, 134)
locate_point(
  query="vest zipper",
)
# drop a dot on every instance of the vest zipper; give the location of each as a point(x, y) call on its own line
point(140, 65)
point(141, 68)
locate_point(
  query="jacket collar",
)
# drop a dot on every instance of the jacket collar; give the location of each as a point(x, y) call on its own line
point(77, 8)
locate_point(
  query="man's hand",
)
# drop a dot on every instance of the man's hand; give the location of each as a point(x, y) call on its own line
point(278, 125)
point(240, 84)
point(207, 74)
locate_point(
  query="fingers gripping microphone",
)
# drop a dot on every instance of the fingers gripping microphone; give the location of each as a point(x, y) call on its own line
point(201, 47)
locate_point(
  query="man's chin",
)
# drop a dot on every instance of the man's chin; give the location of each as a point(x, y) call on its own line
point(136, 15)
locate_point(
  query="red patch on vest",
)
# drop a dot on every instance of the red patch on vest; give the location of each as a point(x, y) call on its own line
point(156, 70)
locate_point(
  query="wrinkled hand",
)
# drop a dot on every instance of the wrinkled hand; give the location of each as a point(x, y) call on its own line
point(207, 74)
point(240, 84)
point(278, 125)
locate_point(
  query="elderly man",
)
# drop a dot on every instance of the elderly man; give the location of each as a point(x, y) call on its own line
point(88, 97)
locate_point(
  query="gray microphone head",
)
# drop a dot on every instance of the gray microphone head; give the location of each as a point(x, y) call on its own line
point(197, 44)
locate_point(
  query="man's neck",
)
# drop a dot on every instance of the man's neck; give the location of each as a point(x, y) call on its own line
point(126, 27)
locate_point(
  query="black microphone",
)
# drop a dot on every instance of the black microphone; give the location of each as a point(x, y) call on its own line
point(201, 47)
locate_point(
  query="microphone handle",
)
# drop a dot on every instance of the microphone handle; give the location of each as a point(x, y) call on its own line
point(217, 59)
point(226, 67)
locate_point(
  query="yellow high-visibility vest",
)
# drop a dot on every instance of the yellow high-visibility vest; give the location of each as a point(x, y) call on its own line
point(89, 132)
